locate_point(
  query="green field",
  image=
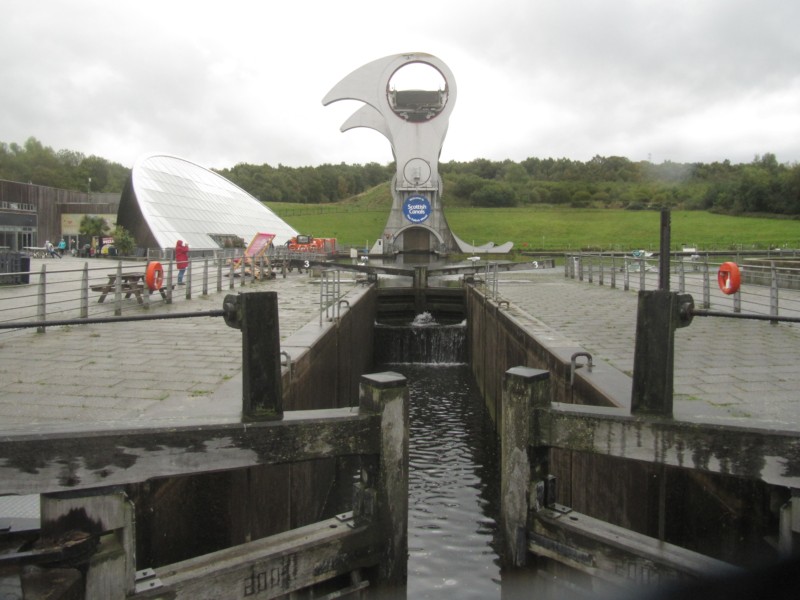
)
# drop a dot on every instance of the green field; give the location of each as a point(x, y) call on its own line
point(554, 228)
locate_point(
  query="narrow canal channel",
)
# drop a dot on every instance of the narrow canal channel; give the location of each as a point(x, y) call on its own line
point(453, 486)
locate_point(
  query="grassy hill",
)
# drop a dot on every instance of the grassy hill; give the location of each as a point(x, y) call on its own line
point(360, 220)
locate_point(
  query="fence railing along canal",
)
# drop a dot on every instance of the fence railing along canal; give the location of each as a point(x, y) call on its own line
point(56, 290)
point(769, 285)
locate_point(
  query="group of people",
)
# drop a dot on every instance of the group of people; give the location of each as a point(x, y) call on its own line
point(181, 255)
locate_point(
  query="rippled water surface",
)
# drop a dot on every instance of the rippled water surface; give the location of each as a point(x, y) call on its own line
point(453, 487)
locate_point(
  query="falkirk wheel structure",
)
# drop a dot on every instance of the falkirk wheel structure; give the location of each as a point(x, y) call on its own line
point(415, 123)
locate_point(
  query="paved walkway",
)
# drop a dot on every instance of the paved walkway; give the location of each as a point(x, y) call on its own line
point(737, 371)
point(130, 374)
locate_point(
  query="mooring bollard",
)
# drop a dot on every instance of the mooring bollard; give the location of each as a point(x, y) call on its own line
point(381, 496)
point(523, 389)
point(256, 314)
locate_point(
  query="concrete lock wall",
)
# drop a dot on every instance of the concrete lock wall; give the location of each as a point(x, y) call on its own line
point(647, 498)
point(181, 517)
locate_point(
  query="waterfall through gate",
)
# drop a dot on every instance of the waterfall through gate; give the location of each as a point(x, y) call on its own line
point(424, 340)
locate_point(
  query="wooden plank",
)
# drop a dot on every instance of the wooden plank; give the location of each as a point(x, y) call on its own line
point(272, 566)
point(616, 554)
point(752, 453)
point(49, 462)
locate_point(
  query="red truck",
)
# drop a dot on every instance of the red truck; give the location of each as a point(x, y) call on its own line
point(307, 243)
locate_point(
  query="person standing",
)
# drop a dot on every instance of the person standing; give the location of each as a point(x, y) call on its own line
point(181, 259)
point(50, 249)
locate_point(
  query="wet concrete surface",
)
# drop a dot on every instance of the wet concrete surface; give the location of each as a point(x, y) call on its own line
point(136, 374)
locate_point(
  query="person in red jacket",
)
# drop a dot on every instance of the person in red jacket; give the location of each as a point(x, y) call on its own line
point(181, 259)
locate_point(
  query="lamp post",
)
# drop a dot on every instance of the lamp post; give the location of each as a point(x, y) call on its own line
point(89, 188)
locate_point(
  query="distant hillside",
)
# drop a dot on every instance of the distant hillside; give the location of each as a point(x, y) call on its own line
point(763, 186)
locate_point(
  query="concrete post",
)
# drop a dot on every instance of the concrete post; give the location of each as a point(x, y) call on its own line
point(189, 280)
point(41, 303)
point(381, 496)
point(613, 271)
point(205, 276)
point(169, 282)
point(118, 290)
point(523, 388)
point(84, 311)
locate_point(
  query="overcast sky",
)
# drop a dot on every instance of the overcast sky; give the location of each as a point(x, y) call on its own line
point(220, 83)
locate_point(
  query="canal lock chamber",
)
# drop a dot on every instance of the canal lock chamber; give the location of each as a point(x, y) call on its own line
point(729, 518)
point(453, 515)
point(454, 472)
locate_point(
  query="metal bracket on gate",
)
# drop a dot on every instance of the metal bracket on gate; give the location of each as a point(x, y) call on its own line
point(347, 519)
point(146, 580)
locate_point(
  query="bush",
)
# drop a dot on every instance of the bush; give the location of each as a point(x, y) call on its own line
point(124, 242)
point(494, 194)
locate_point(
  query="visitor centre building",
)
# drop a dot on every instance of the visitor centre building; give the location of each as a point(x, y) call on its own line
point(168, 199)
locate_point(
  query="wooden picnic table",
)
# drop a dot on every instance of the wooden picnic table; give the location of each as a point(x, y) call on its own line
point(131, 283)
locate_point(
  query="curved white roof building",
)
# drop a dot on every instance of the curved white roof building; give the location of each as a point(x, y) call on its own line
point(169, 199)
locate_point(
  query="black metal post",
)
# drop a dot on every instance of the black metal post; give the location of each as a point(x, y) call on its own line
point(664, 255)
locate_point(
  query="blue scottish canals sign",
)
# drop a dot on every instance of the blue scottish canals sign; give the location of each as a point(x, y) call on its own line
point(417, 209)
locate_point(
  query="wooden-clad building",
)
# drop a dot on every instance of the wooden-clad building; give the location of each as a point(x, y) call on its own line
point(32, 214)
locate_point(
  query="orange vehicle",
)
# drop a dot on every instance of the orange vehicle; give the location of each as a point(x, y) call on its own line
point(307, 243)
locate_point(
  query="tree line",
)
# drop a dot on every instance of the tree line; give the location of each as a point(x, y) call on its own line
point(35, 163)
point(762, 186)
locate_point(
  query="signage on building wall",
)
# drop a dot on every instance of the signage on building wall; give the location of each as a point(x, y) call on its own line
point(71, 222)
point(417, 209)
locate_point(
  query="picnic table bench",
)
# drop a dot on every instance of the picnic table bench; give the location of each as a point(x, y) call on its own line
point(130, 284)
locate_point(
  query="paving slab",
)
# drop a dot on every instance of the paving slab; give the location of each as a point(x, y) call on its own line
point(739, 371)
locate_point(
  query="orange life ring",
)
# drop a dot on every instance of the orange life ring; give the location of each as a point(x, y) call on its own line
point(729, 278)
point(154, 276)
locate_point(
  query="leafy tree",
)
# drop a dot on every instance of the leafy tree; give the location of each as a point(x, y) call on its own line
point(35, 163)
point(763, 185)
point(494, 194)
point(93, 226)
point(124, 242)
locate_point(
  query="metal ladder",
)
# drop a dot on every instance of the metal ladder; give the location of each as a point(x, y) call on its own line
point(330, 287)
